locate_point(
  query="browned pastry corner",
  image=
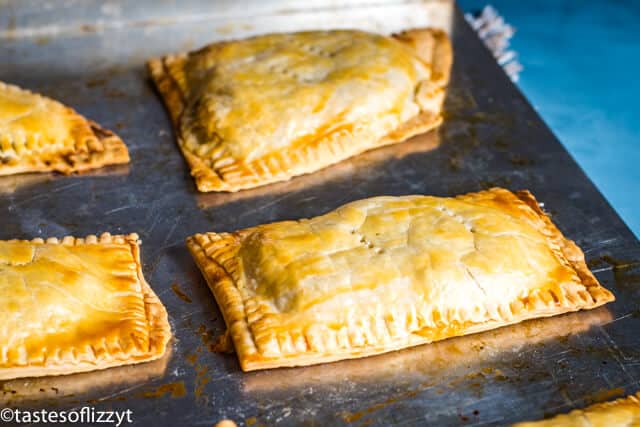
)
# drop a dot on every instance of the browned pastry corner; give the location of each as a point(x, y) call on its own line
point(38, 134)
point(260, 110)
point(624, 412)
point(387, 273)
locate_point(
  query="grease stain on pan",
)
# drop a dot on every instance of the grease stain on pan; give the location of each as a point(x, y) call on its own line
point(180, 293)
point(173, 390)
point(351, 417)
point(202, 379)
point(191, 358)
point(604, 395)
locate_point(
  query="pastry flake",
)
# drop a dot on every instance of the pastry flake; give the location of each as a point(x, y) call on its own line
point(38, 134)
point(386, 273)
point(255, 111)
point(624, 412)
point(76, 305)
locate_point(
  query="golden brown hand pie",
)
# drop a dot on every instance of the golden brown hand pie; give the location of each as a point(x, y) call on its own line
point(38, 134)
point(624, 412)
point(387, 273)
point(265, 109)
point(75, 305)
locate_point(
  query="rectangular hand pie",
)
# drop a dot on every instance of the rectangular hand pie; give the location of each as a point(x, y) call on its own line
point(387, 273)
point(38, 134)
point(264, 109)
point(75, 305)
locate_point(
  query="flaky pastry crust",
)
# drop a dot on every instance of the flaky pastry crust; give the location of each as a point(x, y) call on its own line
point(386, 273)
point(264, 109)
point(38, 134)
point(75, 305)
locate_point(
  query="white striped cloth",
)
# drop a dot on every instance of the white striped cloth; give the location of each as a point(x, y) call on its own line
point(496, 33)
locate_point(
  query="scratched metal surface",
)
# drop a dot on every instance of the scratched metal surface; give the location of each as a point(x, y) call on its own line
point(491, 137)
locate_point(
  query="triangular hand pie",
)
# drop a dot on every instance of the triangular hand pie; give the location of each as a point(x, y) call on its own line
point(38, 134)
point(387, 273)
point(75, 305)
point(265, 109)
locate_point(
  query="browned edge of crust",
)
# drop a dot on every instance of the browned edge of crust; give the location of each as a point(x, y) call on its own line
point(157, 317)
point(114, 145)
point(437, 51)
point(214, 264)
point(570, 250)
point(167, 87)
point(206, 179)
point(433, 47)
point(225, 292)
point(113, 152)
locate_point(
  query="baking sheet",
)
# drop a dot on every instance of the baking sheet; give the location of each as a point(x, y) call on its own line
point(93, 59)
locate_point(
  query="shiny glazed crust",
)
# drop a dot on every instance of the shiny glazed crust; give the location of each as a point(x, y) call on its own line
point(290, 321)
point(51, 137)
point(102, 338)
point(623, 412)
point(219, 169)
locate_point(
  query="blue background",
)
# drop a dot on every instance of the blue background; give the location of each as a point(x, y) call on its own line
point(582, 74)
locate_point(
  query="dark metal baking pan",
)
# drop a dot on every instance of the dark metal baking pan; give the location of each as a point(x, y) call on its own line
point(93, 59)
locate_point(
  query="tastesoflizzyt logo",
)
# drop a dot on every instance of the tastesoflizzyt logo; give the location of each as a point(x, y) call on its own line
point(84, 415)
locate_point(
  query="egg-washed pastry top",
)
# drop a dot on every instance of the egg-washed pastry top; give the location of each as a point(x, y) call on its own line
point(386, 273)
point(38, 134)
point(75, 305)
point(264, 109)
point(623, 412)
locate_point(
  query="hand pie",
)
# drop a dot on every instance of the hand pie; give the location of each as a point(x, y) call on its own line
point(75, 305)
point(265, 109)
point(387, 273)
point(38, 134)
point(624, 412)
